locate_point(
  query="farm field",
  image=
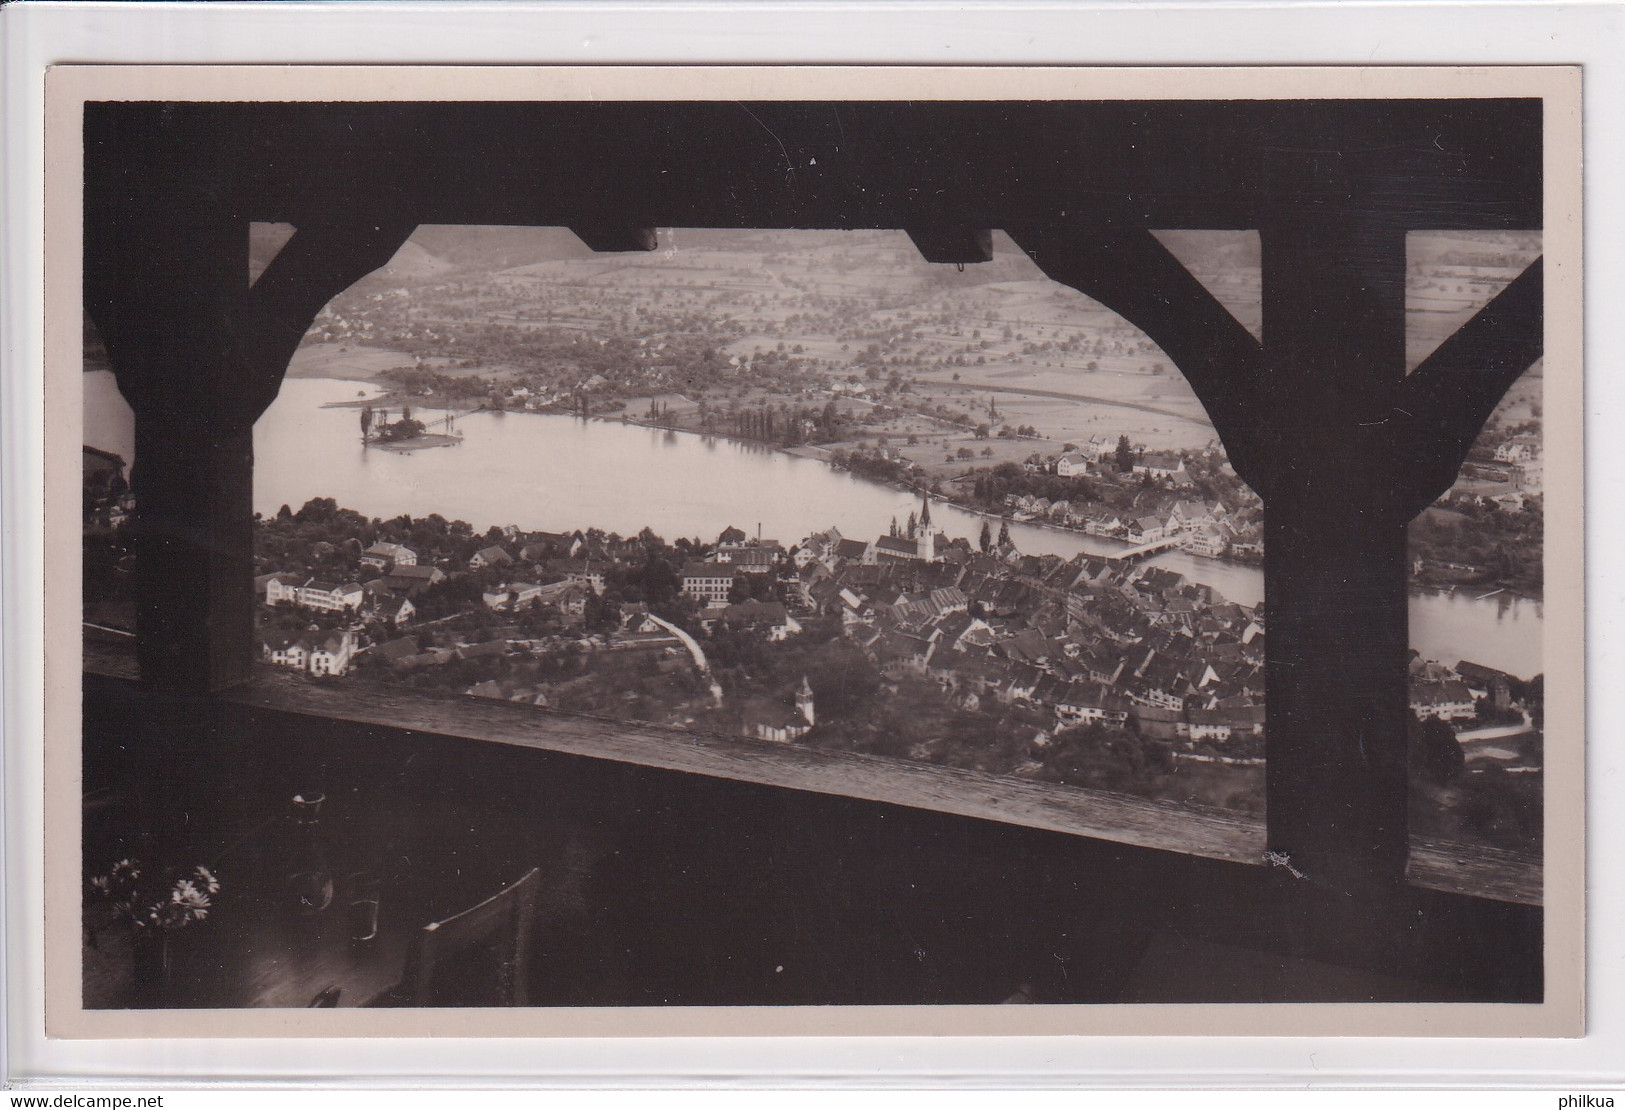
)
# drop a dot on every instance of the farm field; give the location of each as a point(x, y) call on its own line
point(916, 355)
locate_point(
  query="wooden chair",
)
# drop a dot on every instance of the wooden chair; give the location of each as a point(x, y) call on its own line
point(480, 957)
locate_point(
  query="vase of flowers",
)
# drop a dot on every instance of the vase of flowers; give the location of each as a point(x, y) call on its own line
point(155, 903)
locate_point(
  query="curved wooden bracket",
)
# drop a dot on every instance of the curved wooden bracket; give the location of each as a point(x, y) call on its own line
point(1134, 275)
point(190, 341)
point(314, 266)
point(1443, 404)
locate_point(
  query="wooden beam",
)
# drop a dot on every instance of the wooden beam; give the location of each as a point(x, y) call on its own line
point(1433, 164)
point(614, 239)
point(953, 244)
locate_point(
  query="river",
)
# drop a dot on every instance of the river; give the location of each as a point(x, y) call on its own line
point(555, 472)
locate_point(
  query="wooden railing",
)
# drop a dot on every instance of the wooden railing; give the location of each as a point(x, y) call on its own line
point(1190, 830)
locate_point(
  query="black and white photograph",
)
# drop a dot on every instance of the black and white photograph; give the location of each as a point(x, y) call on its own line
point(1078, 543)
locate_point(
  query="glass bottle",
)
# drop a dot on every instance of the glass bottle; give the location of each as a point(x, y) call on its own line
point(309, 882)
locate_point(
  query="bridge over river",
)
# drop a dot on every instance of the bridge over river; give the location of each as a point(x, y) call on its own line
point(1128, 555)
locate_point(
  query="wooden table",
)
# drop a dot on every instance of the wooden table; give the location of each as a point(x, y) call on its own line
point(251, 955)
point(257, 947)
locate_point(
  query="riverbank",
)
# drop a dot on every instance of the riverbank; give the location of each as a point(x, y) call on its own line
point(934, 425)
point(824, 454)
point(349, 362)
point(1479, 592)
point(417, 443)
point(1108, 545)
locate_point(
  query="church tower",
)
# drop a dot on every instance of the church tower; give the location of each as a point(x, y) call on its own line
point(926, 534)
point(804, 702)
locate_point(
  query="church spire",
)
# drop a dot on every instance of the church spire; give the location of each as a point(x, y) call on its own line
point(927, 537)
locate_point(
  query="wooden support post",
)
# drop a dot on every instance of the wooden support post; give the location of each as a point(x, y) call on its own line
point(199, 355)
point(1334, 579)
point(168, 297)
point(1323, 423)
point(194, 544)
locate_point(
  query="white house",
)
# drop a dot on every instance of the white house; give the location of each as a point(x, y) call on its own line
point(1448, 701)
point(1080, 704)
point(709, 583)
point(770, 617)
point(332, 655)
point(493, 556)
point(1102, 522)
point(387, 607)
point(572, 600)
point(523, 593)
point(564, 594)
point(1161, 464)
point(282, 587)
point(413, 579)
point(517, 595)
point(638, 621)
point(751, 559)
point(1155, 697)
point(855, 551)
point(285, 650)
point(330, 597)
point(386, 555)
point(1147, 529)
point(775, 721)
point(1190, 515)
point(1518, 449)
point(1210, 724)
point(585, 574)
point(313, 593)
point(1209, 541)
point(1529, 475)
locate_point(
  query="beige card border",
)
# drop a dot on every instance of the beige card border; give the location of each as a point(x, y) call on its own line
point(1560, 1015)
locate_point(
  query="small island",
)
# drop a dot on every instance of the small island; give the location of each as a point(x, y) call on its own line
point(404, 434)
